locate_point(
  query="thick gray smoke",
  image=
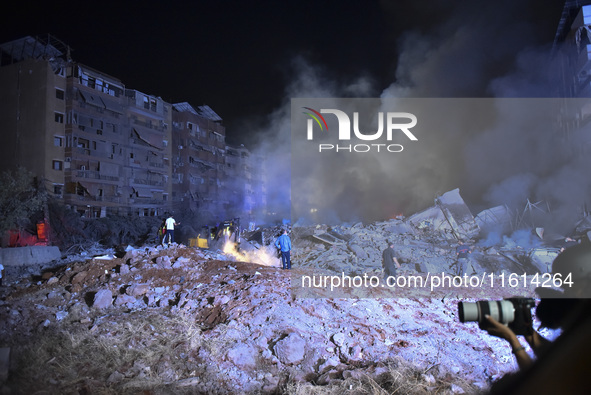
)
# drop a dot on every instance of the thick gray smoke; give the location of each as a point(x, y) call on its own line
point(482, 49)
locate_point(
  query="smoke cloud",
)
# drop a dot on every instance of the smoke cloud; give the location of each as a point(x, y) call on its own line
point(480, 49)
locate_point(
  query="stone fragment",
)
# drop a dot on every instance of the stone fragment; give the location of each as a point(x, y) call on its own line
point(52, 280)
point(338, 339)
point(103, 299)
point(124, 299)
point(115, 377)
point(137, 289)
point(290, 350)
point(79, 277)
point(243, 356)
point(163, 262)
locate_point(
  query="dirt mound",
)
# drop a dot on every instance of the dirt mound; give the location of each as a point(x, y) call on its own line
point(183, 320)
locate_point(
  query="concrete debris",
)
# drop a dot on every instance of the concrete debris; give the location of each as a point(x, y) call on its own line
point(235, 324)
point(450, 215)
point(103, 299)
point(238, 325)
point(291, 349)
point(497, 218)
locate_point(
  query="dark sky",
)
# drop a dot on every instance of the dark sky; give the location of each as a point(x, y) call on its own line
point(238, 56)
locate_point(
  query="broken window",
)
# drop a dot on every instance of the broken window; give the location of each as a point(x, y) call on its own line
point(57, 165)
point(59, 94)
point(83, 143)
point(58, 189)
point(58, 141)
point(146, 103)
point(59, 117)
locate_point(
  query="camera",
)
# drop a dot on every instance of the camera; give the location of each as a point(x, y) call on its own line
point(514, 312)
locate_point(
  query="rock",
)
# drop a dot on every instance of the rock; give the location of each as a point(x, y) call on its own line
point(137, 289)
point(222, 300)
point(60, 315)
point(329, 364)
point(115, 377)
point(79, 277)
point(163, 262)
point(52, 280)
point(103, 299)
point(355, 353)
point(290, 350)
point(124, 269)
point(181, 262)
point(132, 257)
point(327, 377)
point(124, 299)
point(338, 339)
point(54, 294)
point(243, 356)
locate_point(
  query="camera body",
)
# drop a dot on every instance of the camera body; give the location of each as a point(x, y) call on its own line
point(514, 312)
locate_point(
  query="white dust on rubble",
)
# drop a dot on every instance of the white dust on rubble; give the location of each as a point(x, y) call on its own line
point(248, 332)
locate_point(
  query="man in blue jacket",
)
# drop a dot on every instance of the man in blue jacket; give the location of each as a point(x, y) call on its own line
point(284, 243)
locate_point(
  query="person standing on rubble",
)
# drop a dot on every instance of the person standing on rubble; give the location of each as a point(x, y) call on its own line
point(283, 242)
point(170, 224)
point(462, 254)
point(389, 261)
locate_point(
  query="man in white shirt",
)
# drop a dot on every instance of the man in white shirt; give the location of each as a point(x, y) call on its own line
point(170, 224)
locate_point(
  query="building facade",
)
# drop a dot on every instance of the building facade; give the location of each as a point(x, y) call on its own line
point(99, 147)
point(105, 149)
point(198, 173)
point(246, 188)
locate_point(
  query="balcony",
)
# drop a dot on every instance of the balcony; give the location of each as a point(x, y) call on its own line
point(94, 175)
point(143, 181)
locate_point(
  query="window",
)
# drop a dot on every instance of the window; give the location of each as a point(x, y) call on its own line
point(59, 117)
point(58, 141)
point(58, 189)
point(57, 165)
point(59, 94)
point(146, 103)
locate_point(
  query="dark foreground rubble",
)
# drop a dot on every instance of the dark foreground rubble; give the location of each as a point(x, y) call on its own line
point(180, 320)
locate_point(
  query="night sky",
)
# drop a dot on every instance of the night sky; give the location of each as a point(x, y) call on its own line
point(240, 57)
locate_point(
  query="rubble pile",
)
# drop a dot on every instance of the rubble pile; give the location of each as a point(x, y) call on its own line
point(236, 324)
point(425, 243)
point(359, 247)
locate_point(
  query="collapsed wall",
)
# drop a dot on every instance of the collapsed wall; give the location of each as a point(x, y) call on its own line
point(30, 260)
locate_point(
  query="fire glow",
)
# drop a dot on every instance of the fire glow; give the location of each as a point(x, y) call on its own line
point(260, 256)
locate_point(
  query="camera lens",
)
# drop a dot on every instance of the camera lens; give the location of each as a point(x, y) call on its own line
point(502, 311)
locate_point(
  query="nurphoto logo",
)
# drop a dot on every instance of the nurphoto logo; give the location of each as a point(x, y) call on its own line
point(396, 122)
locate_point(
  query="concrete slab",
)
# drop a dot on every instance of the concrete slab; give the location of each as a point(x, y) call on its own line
point(32, 255)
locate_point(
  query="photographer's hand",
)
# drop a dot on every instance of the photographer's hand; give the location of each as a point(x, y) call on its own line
point(504, 332)
point(536, 342)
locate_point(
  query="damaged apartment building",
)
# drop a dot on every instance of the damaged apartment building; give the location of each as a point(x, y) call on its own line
point(208, 175)
point(100, 147)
